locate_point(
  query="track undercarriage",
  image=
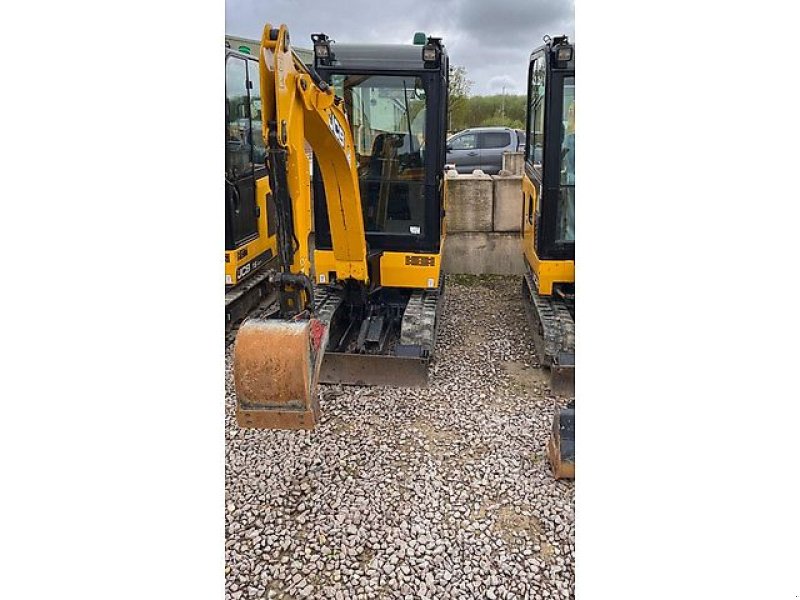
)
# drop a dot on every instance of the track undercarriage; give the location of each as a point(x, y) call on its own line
point(552, 320)
point(384, 339)
point(243, 298)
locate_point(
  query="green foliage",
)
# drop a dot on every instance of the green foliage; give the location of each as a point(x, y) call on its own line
point(458, 92)
point(484, 111)
point(481, 111)
point(498, 120)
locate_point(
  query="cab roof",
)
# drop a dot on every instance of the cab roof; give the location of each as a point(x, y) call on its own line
point(549, 47)
point(379, 57)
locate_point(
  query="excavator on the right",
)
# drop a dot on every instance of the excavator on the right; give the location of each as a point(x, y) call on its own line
point(548, 187)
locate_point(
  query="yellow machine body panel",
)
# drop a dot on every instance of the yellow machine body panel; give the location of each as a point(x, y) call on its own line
point(397, 269)
point(246, 259)
point(546, 272)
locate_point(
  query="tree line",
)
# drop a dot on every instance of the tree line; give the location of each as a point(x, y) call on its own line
point(481, 111)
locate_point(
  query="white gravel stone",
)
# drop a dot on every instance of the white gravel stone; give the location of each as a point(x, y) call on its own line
point(445, 488)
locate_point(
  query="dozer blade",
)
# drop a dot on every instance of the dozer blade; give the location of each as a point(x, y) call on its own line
point(374, 369)
point(275, 370)
point(562, 374)
point(561, 448)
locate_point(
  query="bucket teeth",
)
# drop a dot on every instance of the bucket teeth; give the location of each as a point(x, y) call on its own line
point(275, 370)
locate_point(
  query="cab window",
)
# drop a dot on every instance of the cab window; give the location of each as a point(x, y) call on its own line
point(387, 116)
point(536, 109)
point(256, 135)
point(566, 203)
point(237, 121)
point(568, 133)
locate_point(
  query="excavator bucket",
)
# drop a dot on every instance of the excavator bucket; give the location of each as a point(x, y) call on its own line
point(275, 370)
point(561, 448)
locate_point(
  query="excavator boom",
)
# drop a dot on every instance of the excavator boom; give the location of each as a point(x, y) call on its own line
point(299, 107)
point(277, 361)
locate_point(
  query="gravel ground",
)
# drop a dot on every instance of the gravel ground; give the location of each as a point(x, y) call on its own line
point(442, 492)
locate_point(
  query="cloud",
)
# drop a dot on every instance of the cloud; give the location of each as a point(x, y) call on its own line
point(492, 40)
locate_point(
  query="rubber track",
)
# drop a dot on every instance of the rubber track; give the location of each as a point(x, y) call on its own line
point(326, 301)
point(421, 317)
point(555, 323)
point(244, 298)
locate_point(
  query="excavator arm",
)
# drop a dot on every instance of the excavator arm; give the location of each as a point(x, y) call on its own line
point(277, 360)
point(298, 107)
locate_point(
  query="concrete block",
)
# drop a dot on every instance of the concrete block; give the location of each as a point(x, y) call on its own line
point(483, 253)
point(513, 162)
point(469, 202)
point(507, 203)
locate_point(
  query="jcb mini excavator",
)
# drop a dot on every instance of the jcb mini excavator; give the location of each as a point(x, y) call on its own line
point(548, 186)
point(367, 312)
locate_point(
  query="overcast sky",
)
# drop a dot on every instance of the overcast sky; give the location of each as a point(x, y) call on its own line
point(491, 38)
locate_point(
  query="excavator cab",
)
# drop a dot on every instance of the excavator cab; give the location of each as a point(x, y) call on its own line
point(395, 98)
point(396, 103)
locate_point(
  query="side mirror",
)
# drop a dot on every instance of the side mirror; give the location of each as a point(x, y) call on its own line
point(449, 148)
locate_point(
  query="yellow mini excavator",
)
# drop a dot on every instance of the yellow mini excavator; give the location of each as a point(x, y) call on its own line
point(548, 186)
point(366, 310)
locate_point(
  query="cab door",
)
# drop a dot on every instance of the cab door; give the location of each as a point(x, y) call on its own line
point(241, 212)
point(534, 154)
point(550, 160)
